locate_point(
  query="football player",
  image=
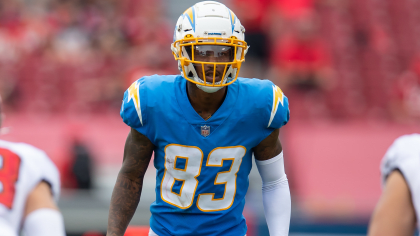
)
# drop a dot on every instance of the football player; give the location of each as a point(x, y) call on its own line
point(29, 188)
point(204, 126)
point(398, 209)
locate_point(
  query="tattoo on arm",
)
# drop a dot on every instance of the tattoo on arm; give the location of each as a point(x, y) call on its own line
point(126, 195)
point(269, 147)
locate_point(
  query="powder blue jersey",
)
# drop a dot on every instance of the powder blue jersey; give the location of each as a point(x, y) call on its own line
point(202, 165)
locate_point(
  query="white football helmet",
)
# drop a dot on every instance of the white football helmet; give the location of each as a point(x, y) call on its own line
point(209, 35)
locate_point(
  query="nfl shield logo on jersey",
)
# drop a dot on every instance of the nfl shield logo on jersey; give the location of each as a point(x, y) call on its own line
point(205, 130)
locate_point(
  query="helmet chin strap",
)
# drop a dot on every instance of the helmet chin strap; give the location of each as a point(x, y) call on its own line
point(208, 89)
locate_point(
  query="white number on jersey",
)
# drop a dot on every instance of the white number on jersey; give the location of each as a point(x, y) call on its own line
point(188, 175)
point(193, 157)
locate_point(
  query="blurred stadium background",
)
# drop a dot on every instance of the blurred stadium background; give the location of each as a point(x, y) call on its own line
point(351, 70)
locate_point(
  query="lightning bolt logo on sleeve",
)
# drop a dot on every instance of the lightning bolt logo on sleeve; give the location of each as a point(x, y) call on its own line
point(277, 98)
point(133, 94)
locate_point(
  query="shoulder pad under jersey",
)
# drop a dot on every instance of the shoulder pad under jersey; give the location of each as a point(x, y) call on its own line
point(47, 168)
point(267, 99)
point(279, 108)
point(133, 108)
point(142, 96)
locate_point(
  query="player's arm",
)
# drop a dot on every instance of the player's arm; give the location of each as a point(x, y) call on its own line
point(126, 195)
point(276, 193)
point(394, 214)
point(42, 217)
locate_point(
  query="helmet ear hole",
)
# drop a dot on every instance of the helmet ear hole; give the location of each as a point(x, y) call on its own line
point(190, 74)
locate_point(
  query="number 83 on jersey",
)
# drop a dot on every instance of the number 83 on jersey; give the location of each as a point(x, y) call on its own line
point(192, 157)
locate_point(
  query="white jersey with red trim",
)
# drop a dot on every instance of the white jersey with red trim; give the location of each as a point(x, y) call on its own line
point(404, 155)
point(22, 167)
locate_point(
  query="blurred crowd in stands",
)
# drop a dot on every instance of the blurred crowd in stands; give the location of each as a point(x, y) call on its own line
point(334, 59)
point(79, 56)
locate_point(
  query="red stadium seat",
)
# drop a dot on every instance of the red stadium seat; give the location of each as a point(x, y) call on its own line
point(137, 231)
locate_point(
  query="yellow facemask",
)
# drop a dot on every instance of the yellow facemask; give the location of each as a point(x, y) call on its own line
point(213, 53)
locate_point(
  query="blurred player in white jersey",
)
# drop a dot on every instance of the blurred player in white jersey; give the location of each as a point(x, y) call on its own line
point(29, 188)
point(398, 209)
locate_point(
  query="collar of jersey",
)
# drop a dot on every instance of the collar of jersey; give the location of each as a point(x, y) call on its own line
point(192, 116)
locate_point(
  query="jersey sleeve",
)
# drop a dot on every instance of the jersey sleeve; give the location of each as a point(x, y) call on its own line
point(6, 228)
point(45, 169)
point(51, 175)
point(404, 155)
point(133, 109)
point(278, 108)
